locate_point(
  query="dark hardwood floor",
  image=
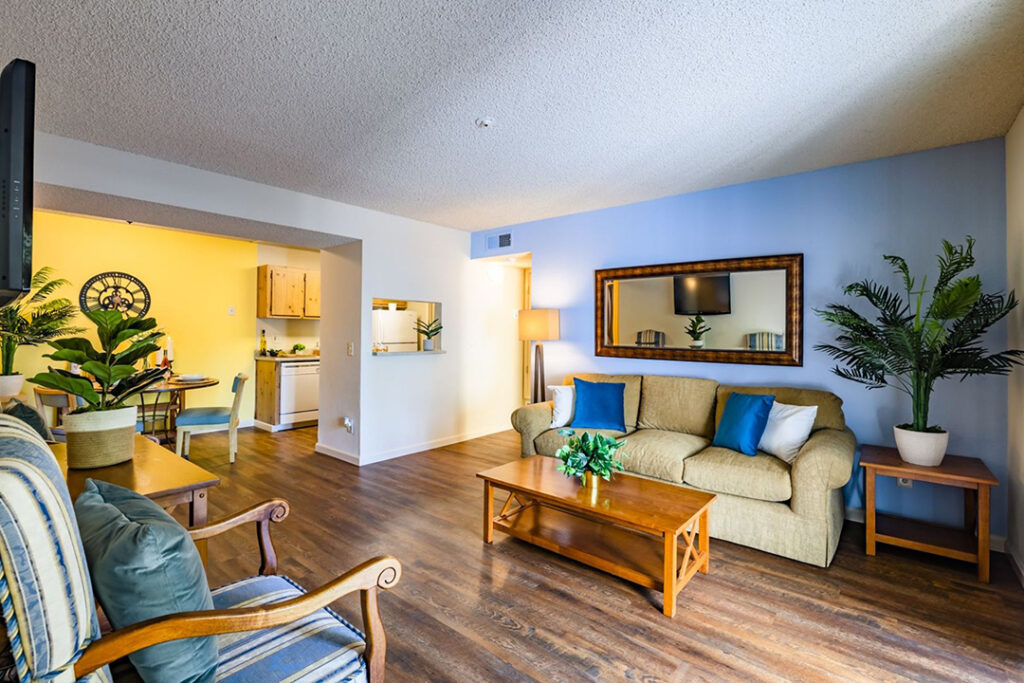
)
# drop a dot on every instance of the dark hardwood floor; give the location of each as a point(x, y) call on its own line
point(465, 611)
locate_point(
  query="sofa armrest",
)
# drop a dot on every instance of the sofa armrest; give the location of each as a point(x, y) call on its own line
point(824, 463)
point(531, 421)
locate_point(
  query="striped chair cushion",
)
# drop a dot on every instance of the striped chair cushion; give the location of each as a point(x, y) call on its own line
point(320, 647)
point(765, 341)
point(45, 592)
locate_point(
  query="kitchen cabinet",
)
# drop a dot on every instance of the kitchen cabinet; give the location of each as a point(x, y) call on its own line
point(287, 392)
point(286, 292)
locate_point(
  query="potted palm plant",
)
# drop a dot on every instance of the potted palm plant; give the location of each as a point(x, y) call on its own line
point(912, 343)
point(697, 329)
point(429, 331)
point(34, 319)
point(102, 432)
point(591, 457)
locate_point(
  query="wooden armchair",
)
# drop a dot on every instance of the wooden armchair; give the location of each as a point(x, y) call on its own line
point(56, 626)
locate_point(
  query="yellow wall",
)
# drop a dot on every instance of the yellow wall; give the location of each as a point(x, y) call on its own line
point(192, 280)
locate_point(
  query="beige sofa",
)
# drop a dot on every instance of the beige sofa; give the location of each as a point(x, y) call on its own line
point(791, 510)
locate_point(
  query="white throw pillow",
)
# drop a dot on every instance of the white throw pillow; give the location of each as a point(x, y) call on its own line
point(787, 430)
point(564, 396)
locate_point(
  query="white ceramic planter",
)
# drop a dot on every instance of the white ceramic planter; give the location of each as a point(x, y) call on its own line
point(10, 385)
point(921, 448)
point(100, 438)
point(428, 344)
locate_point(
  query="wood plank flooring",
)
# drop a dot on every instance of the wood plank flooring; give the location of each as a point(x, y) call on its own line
point(465, 611)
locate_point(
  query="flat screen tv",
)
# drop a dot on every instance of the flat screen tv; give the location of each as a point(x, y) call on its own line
point(17, 126)
point(703, 294)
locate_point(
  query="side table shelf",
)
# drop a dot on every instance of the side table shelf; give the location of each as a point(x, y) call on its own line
point(969, 543)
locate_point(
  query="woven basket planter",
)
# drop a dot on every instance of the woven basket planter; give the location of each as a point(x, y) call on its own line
point(100, 438)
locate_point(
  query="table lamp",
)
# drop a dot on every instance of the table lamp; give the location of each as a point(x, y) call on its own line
point(537, 325)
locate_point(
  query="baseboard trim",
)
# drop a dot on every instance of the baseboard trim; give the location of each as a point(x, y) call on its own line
point(996, 543)
point(330, 452)
point(267, 427)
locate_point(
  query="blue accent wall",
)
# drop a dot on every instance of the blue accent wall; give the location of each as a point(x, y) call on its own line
point(842, 219)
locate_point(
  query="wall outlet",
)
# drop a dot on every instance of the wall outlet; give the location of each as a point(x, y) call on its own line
point(348, 424)
point(905, 483)
point(351, 350)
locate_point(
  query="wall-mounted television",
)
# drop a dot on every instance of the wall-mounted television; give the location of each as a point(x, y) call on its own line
point(17, 126)
point(702, 294)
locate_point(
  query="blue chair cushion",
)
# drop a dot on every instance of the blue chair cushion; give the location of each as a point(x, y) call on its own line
point(145, 565)
point(599, 405)
point(203, 416)
point(320, 647)
point(743, 422)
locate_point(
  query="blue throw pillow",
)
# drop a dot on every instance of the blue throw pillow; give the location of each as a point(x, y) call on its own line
point(144, 565)
point(599, 405)
point(743, 422)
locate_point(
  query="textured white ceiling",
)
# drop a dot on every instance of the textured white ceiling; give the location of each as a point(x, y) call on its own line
point(594, 103)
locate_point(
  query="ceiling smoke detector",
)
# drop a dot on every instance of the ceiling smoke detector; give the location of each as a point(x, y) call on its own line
point(484, 122)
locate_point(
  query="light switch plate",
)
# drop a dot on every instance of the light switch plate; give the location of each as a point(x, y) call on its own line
point(351, 348)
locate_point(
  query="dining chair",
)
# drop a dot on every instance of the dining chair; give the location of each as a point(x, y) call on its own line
point(62, 403)
point(209, 419)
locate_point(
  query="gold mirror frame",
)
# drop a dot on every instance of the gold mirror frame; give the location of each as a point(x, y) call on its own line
point(793, 264)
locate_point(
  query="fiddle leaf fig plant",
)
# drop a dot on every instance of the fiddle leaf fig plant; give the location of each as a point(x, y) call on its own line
point(697, 329)
point(123, 342)
point(429, 330)
point(589, 455)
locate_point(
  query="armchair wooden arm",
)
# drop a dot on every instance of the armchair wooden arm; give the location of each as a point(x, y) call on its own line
point(380, 572)
point(263, 514)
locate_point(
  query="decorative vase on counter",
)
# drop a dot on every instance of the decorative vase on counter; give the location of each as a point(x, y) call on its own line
point(101, 437)
point(428, 344)
point(921, 448)
point(697, 344)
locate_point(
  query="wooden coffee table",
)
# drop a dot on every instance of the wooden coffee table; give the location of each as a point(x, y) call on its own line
point(633, 530)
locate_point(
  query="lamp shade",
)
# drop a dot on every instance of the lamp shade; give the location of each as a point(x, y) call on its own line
point(538, 324)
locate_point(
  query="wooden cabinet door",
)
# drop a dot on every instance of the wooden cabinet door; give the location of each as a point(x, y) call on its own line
point(312, 309)
point(287, 292)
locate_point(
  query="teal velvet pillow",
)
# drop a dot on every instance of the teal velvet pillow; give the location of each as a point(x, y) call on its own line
point(743, 422)
point(599, 405)
point(144, 565)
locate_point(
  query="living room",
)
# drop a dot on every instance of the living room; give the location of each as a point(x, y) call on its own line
point(425, 150)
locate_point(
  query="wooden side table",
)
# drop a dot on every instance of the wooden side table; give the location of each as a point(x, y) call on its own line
point(969, 474)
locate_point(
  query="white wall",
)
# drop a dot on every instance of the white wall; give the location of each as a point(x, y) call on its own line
point(407, 403)
point(1015, 277)
point(341, 374)
point(282, 333)
point(758, 305)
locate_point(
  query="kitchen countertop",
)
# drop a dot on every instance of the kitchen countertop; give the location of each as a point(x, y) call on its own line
point(289, 359)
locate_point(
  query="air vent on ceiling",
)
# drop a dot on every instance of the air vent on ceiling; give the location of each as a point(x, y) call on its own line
point(501, 241)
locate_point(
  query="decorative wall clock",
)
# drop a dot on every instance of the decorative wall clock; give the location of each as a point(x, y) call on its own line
point(115, 291)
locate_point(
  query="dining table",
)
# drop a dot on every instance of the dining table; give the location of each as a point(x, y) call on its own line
point(164, 413)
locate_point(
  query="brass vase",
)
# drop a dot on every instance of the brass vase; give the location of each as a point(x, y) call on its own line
point(592, 484)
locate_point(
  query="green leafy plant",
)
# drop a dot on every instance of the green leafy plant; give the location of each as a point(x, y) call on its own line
point(124, 341)
point(429, 330)
point(911, 343)
point(589, 453)
point(697, 329)
point(35, 319)
point(298, 347)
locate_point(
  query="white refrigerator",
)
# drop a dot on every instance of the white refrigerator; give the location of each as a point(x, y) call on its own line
point(395, 329)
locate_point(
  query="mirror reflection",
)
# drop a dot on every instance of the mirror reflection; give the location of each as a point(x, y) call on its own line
point(739, 310)
point(405, 326)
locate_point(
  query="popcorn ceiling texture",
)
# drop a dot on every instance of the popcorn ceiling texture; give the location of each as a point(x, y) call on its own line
point(594, 104)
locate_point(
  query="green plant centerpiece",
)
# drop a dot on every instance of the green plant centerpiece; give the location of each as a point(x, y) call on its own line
point(36, 318)
point(591, 457)
point(696, 330)
point(429, 331)
point(916, 337)
point(101, 432)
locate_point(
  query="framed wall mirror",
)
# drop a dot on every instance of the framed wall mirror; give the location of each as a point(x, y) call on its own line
point(747, 310)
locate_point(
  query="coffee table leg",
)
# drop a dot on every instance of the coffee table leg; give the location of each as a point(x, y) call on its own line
point(704, 543)
point(671, 574)
point(488, 512)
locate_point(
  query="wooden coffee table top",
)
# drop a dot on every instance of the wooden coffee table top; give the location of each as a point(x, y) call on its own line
point(627, 499)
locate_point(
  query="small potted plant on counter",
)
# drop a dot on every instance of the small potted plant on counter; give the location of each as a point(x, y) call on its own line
point(910, 344)
point(697, 329)
point(591, 457)
point(429, 331)
point(34, 319)
point(102, 432)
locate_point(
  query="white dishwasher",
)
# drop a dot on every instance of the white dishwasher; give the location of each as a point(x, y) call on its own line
point(300, 391)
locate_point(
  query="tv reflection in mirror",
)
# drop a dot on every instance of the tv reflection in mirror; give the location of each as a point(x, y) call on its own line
point(702, 294)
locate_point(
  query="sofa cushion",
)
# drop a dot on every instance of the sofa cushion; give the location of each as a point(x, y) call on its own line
point(660, 454)
point(630, 396)
point(830, 406)
point(550, 441)
point(598, 405)
point(721, 470)
point(743, 422)
point(678, 404)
